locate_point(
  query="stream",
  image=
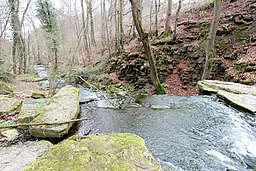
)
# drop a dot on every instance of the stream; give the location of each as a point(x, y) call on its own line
point(183, 133)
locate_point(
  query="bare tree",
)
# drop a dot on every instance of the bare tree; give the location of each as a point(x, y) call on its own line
point(176, 20)
point(89, 8)
point(168, 28)
point(147, 47)
point(156, 18)
point(211, 38)
point(84, 31)
point(18, 47)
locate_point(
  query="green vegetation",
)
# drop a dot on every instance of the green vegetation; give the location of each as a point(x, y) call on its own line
point(97, 152)
point(30, 78)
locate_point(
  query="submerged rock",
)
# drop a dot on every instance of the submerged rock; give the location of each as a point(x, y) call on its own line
point(62, 107)
point(17, 156)
point(238, 95)
point(97, 152)
point(8, 104)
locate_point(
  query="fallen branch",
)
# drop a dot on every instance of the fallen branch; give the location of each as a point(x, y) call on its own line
point(39, 124)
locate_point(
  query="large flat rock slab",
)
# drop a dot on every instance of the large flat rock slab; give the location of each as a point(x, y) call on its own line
point(238, 95)
point(15, 157)
point(8, 104)
point(62, 107)
point(120, 152)
point(215, 86)
point(244, 101)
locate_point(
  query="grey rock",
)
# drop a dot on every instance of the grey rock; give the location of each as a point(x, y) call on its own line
point(62, 107)
point(15, 157)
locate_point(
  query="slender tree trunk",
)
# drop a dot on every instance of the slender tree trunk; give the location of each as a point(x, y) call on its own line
point(91, 23)
point(18, 47)
point(103, 20)
point(211, 39)
point(146, 44)
point(150, 17)
point(156, 18)
point(84, 31)
point(176, 20)
point(117, 45)
point(121, 7)
point(168, 28)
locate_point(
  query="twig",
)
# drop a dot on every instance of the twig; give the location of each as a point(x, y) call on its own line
point(47, 123)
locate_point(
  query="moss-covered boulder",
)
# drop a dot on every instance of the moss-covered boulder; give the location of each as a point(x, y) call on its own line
point(16, 157)
point(8, 104)
point(62, 107)
point(5, 89)
point(30, 109)
point(115, 151)
point(37, 95)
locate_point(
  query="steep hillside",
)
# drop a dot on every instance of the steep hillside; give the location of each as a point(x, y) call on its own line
point(180, 63)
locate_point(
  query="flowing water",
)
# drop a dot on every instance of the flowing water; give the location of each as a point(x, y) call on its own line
point(183, 133)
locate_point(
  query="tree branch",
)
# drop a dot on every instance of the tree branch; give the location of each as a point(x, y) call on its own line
point(46, 123)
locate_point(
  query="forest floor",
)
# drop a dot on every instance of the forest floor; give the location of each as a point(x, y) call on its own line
point(180, 63)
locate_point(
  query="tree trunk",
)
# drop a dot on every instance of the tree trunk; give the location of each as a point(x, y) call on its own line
point(168, 28)
point(145, 41)
point(121, 6)
point(176, 20)
point(211, 39)
point(91, 22)
point(85, 40)
point(156, 18)
point(18, 46)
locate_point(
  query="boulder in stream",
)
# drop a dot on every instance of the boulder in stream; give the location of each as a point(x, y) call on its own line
point(238, 95)
point(30, 109)
point(62, 107)
point(8, 104)
point(117, 151)
point(16, 157)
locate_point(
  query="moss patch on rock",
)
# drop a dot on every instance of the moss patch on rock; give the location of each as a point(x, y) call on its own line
point(8, 104)
point(115, 151)
point(63, 106)
point(5, 89)
point(31, 78)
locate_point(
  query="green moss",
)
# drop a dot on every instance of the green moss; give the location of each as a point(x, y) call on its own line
point(15, 106)
point(4, 88)
point(247, 82)
point(31, 78)
point(97, 152)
